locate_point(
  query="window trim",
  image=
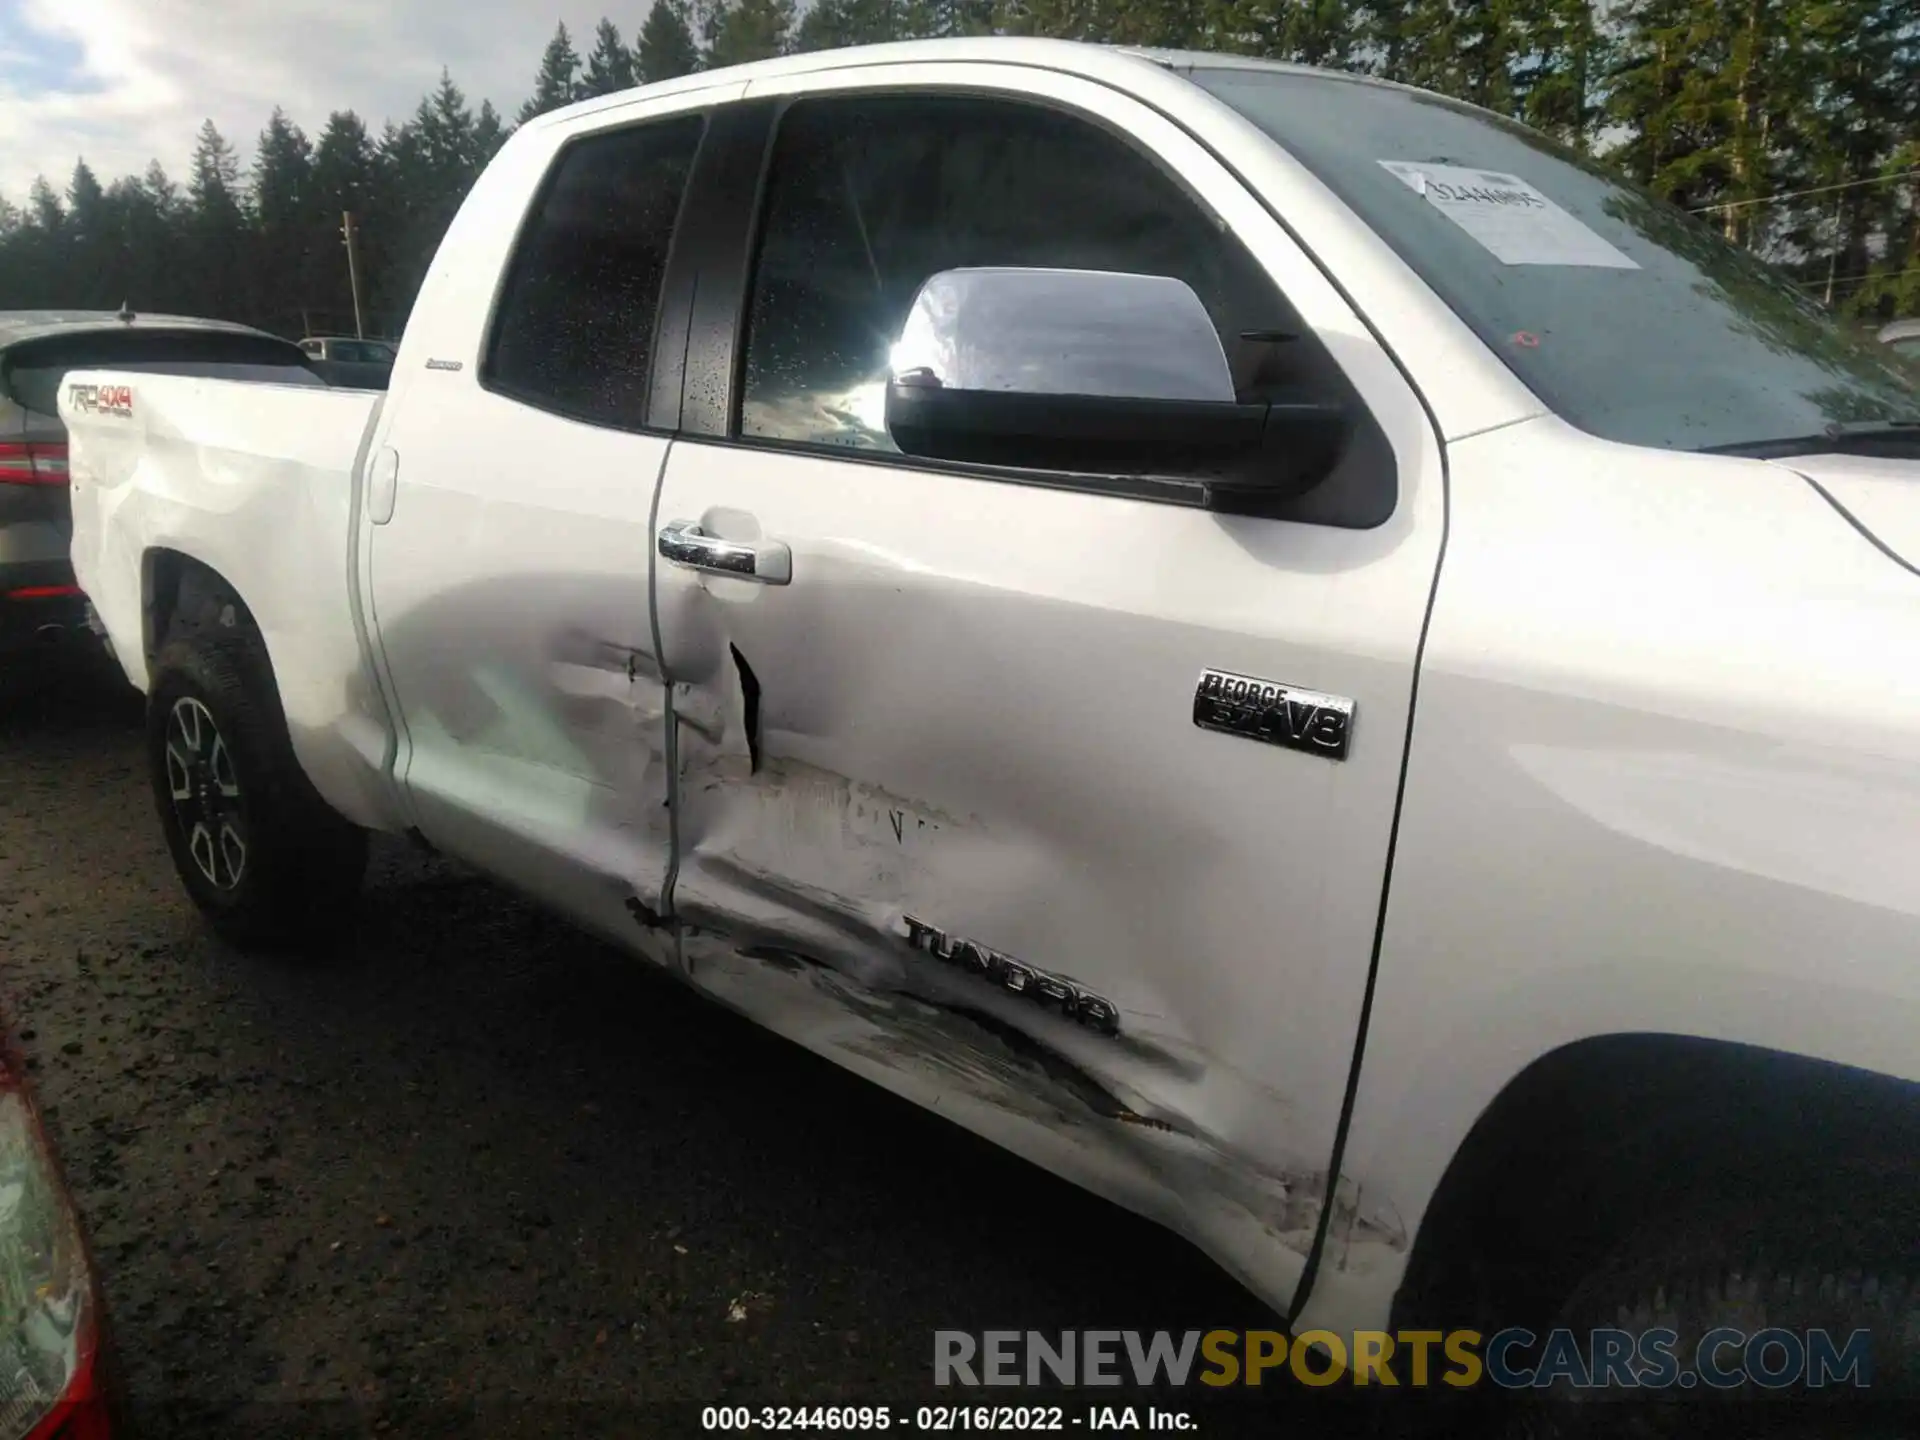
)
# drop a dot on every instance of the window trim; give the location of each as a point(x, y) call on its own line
point(715, 365)
point(710, 261)
point(652, 421)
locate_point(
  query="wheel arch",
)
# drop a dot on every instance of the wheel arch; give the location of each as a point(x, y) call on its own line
point(179, 590)
point(1610, 1133)
point(182, 593)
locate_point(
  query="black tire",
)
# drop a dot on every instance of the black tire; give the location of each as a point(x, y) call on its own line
point(1841, 1264)
point(268, 862)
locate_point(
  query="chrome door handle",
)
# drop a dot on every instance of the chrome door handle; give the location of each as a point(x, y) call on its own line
point(684, 543)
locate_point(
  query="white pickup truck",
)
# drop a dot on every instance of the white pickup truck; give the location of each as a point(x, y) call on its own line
point(1281, 646)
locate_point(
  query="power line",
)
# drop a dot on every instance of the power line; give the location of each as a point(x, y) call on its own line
point(1863, 275)
point(1812, 190)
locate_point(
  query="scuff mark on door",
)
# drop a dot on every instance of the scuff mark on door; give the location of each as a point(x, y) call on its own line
point(965, 1062)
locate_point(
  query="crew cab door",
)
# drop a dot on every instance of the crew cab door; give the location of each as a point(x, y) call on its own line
point(943, 799)
point(508, 516)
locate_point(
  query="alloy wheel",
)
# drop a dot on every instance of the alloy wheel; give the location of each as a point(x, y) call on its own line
point(206, 794)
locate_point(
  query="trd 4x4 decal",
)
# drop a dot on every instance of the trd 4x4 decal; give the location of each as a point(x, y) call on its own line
point(102, 399)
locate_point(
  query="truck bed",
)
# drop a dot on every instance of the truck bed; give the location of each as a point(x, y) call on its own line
point(256, 483)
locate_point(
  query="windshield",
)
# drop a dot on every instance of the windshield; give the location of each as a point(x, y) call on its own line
point(1630, 318)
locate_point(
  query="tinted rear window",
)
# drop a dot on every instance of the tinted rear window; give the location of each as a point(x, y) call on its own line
point(575, 330)
point(361, 352)
point(31, 373)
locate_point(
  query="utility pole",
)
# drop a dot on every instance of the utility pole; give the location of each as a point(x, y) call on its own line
point(347, 231)
point(1833, 260)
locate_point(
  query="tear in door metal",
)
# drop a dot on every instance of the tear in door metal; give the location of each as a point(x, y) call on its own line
point(1273, 713)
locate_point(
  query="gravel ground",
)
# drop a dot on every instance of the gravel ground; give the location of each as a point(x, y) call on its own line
point(477, 1174)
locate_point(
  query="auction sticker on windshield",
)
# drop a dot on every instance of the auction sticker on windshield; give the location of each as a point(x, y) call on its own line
point(1514, 221)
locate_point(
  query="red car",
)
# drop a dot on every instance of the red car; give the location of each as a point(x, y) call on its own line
point(53, 1350)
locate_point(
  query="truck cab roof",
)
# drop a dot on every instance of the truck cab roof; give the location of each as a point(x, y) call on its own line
point(1076, 57)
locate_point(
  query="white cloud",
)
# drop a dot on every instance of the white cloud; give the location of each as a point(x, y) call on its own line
point(154, 69)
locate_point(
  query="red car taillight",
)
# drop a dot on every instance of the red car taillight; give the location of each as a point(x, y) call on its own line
point(39, 463)
point(44, 592)
point(49, 1320)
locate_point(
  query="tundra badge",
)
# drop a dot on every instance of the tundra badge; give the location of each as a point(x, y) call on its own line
point(1030, 982)
point(1275, 713)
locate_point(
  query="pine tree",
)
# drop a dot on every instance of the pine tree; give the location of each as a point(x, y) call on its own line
point(89, 244)
point(343, 162)
point(86, 217)
point(161, 190)
point(284, 209)
point(219, 283)
point(1650, 95)
point(609, 66)
point(449, 141)
point(748, 30)
point(157, 277)
point(282, 173)
point(149, 270)
point(1557, 75)
point(398, 232)
point(84, 195)
point(831, 24)
point(215, 186)
point(1380, 36)
point(665, 48)
point(489, 133)
point(1705, 89)
point(555, 83)
point(943, 19)
point(43, 204)
point(1310, 32)
point(1754, 109)
point(35, 261)
point(1855, 124)
point(345, 180)
point(1464, 48)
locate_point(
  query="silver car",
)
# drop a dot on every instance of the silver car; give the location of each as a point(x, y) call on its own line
point(39, 602)
point(1904, 337)
point(349, 363)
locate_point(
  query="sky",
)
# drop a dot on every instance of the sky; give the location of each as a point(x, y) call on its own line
point(124, 82)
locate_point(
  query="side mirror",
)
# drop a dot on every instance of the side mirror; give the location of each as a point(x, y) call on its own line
point(1091, 370)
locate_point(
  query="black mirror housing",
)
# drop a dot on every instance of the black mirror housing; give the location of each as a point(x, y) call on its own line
point(1242, 453)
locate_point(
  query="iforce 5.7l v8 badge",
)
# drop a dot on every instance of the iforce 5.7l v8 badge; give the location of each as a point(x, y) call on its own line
point(1277, 714)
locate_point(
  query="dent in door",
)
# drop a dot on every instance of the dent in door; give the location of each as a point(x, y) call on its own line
point(971, 1065)
point(818, 942)
point(535, 711)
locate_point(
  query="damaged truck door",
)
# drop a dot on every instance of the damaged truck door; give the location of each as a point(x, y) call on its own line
point(511, 581)
point(1046, 780)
